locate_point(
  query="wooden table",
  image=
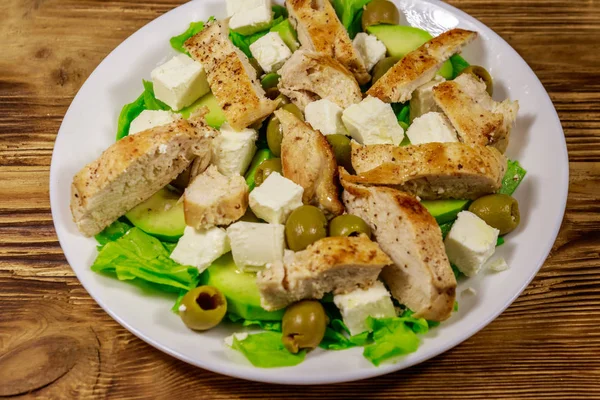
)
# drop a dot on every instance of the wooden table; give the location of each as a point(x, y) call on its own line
point(546, 345)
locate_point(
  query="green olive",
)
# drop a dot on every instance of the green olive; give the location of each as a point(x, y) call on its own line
point(341, 149)
point(383, 66)
point(482, 74)
point(499, 211)
point(265, 169)
point(303, 325)
point(283, 100)
point(304, 226)
point(274, 132)
point(272, 93)
point(294, 110)
point(254, 62)
point(380, 12)
point(348, 225)
point(203, 308)
point(274, 136)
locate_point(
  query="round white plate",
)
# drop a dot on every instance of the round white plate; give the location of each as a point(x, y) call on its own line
point(537, 142)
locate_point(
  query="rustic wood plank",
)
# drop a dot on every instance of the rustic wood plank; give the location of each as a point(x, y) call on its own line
point(546, 345)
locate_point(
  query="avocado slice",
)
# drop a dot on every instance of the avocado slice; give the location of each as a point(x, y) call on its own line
point(445, 210)
point(215, 117)
point(287, 33)
point(401, 40)
point(160, 216)
point(239, 288)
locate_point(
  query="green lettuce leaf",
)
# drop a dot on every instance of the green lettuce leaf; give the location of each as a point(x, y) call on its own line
point(175, 307)
point(129, 112)
point(146, 101)
point(458, 64)
point(243, 42)
point(279, 11)
point(139, 256)
point(265, 350)
point(113, 231)
point(350, 13)
point(500, 241)
point(445, 227)
point(337, 337)
point(194, 28)
point(512, 178)
point(274, 326)
point(150, 100)
point(392, 337)
point(402, 111)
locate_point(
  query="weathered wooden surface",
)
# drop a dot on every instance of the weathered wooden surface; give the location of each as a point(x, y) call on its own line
point(546, 345)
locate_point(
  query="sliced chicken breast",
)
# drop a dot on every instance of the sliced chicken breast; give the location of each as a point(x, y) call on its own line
point(214, 199)
point(420, 66)
point(319, 29)
point(431, 170)
point(133, 169)
point(308, 160)
point(331, 265)
point(309, 76)
point(421, 277)
point(231, 78)
point(477, 118)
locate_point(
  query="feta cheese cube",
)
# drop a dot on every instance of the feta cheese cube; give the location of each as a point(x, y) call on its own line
point(179, 82)
point(498, 265)
point(149, 119)
point(250, 16)
point(232, 151)
point(271, 52)
point(431, 127)
point(200, 248)
point(276, 198)
point(373, 122)
point(422, 100)
point(359, 304)
point(253, 245)
point(326, 117)
point(470, 243)
point(236, 6)
point(371, 49)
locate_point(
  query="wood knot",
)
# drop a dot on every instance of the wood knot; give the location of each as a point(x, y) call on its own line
point(37, 363)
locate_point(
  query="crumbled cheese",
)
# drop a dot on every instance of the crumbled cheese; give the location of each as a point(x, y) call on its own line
point(239, 336)
point(162, 149)
point(182, 308)
point(498, 265)
point(469, 292)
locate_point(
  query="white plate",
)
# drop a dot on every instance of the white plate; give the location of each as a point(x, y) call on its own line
point(538, 143)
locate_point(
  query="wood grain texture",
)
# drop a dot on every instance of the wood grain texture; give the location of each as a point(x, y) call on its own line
point(545, 346)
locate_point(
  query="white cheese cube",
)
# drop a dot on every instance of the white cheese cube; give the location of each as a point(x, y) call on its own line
point(149, 119)
point(359, 304)
point(422, 100)
point(276, 198)
point(497, 265)
point(326, 117)
point(236, 6)
point(200, 248)
point(179, 82)
point(232, 151)
point(373, 122)
point(470, 243)
point(253, 245)
point(271, 52)
point(431, 127)
point(251, 16)
point(371, 49)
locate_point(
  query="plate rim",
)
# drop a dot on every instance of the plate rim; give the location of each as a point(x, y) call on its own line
point(258, 374)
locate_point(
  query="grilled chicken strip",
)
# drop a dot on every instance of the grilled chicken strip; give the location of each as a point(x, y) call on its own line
point(214, 199)
point(421, 277)
point(477, 118)
point(307, 159)
point(334, 264)
point(430, 170)
point(419, 67)
point(319, 29)
point(231, 78)
point(308, 76)
point(134, 168)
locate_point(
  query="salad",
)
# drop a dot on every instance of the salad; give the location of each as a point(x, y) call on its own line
point(316, 175)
